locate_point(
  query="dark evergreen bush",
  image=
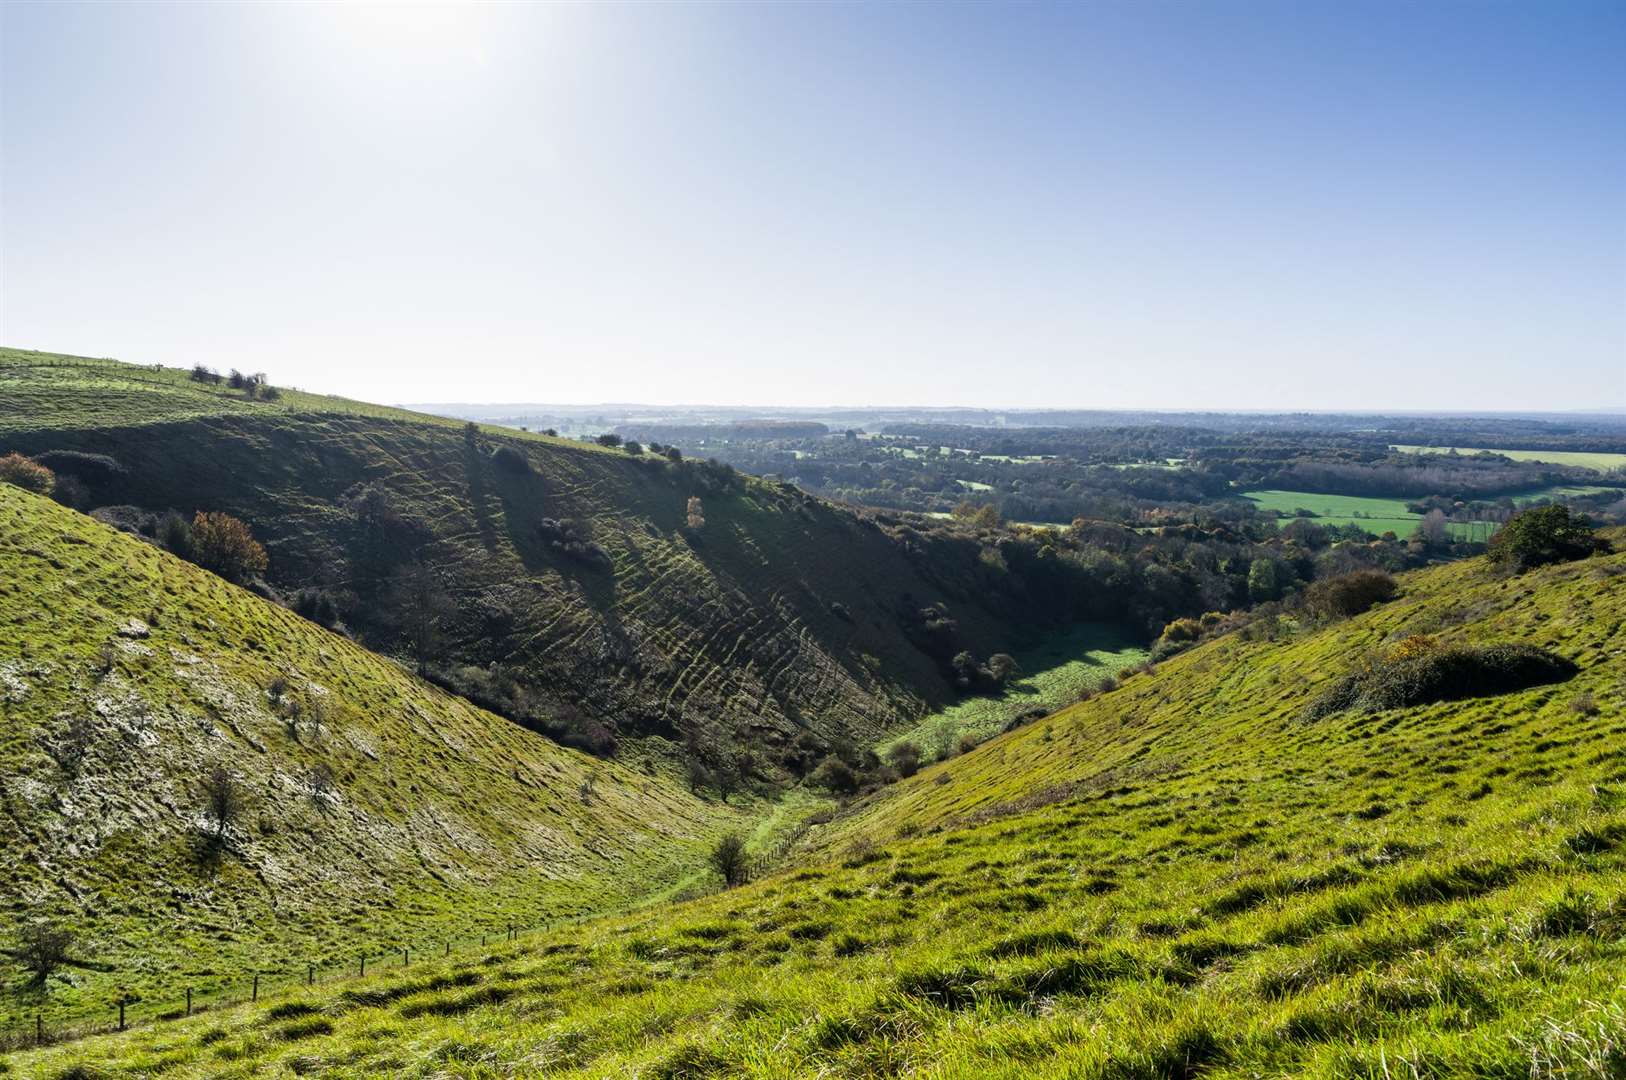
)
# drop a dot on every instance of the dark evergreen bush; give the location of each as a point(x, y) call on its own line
point(1420, 674)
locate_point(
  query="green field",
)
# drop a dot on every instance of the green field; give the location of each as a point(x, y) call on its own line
point(1052, 676)
point(1376, 516)
point(1603, 462)
point(1179, 878)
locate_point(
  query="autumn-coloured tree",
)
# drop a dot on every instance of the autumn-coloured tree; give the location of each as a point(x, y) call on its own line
point(225, 545)
point(27, 474)
point(697, 514)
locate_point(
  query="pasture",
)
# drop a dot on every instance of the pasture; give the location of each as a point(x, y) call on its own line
point(1603, 462)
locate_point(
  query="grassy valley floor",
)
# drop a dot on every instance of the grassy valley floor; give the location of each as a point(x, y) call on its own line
point(1181, 877)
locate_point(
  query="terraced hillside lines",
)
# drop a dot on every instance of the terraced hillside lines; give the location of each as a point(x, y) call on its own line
point(1262, 686)
point(380, 812)
point(1177, 878)
point(782, 613)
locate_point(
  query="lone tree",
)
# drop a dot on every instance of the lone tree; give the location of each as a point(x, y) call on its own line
point(1545, 534)
point(696, 513)
point(224, 545)
point(421, 608)
point(223, 798)
point(27, 474)
point(728, 859)
point(42, 948)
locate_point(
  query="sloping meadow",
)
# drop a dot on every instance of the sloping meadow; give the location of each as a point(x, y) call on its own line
point(375, 812)
point(1181, 877)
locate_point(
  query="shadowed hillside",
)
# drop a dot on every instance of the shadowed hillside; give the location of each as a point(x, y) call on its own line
point(1184, 876)
point(375, 811)
point(581, 597)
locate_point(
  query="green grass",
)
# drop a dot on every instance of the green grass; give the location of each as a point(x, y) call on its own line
point(781, 614)
point(1603, 462)
point(1053, 674)
point(1568, 491)
point(1176, 878)
point(443, 821)
point(1376, 516)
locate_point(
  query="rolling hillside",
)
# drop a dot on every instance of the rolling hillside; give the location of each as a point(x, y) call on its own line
point(1182, 877)
point(582, 595)
point(378, 812)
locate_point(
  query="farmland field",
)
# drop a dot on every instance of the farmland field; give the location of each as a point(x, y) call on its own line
point(1376, 516)
point(1584, 459)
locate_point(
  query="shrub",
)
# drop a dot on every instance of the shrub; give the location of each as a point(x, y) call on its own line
point(71, 492)
point(174, 533)
point(203, 374)
point(1545, 534)
point(510, 460)
point(224, 545)
point(317, 606)
point(1182, 630)
point(1348, 595)
point(837, 775)
point(1416, 675)
point(728, 859)
point(609, 438)
point(91, 468)
point(633, 446)
point(570, 539)
point(904, 757)
point(27, 474)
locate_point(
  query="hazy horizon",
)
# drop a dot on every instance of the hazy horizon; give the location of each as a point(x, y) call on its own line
point(1270, 206)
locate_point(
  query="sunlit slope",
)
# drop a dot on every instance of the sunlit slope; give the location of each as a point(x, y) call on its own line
point(378, 811)
point(1228, 713)
point(1199, 885)
point(780, 614)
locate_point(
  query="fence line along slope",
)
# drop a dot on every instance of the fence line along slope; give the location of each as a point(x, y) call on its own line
point(1193, 874)
point(368, 809)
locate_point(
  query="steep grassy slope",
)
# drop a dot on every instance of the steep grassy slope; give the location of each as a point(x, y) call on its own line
point(380, 812)
point(781, 614)
point(1177, 878)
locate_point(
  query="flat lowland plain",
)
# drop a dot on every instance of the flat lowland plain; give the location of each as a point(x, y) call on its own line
point(1603, 462)
point(1181, 877)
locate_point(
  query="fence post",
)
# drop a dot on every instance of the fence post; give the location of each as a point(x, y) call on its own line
point(254, 995)
point(448, 948)
point(189, 1001)
point(364, 963)
point(39, 1030)
point(403, 957)
point(310, 974)
point(121, 1014)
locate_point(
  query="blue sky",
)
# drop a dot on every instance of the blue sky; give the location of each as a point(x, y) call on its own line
point(1175, 205)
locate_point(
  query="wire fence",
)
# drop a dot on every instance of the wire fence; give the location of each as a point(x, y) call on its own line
point(214, 992)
